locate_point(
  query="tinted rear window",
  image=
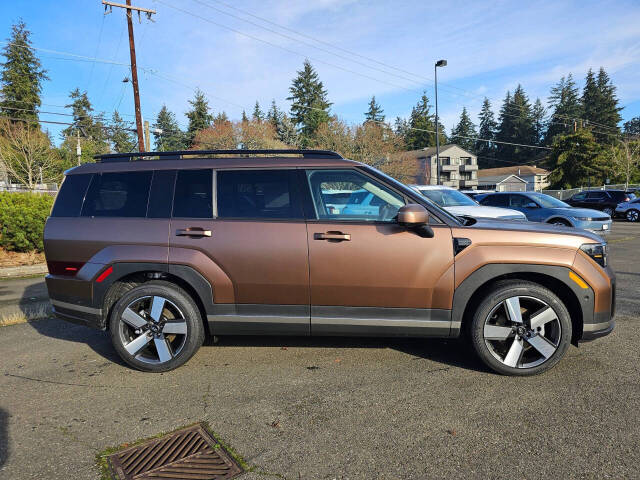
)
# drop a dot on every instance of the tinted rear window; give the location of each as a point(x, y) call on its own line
point(161, 196)
point(70, 197)
point(496, 200)
point(193, 194)
point(122, 194)
point(258, 194)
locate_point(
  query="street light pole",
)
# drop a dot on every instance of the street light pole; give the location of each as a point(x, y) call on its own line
point(439, 63)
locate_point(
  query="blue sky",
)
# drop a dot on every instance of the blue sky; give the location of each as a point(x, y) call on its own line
point(490, 47)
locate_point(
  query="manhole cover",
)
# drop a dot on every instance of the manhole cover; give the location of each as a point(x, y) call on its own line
point(190, 453)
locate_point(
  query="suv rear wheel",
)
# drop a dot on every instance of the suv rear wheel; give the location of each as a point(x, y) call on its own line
point(521, 328)
point(156, 327)
point(633, 215)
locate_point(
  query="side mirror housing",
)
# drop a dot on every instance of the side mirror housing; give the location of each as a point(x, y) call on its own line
point(531, 205)
point(416, 218)
point(413, 215)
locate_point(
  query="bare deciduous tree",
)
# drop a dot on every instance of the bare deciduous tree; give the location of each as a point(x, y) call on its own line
point(26, 154)
point(626, 158)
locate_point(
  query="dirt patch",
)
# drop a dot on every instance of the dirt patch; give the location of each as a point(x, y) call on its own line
point(19, 259)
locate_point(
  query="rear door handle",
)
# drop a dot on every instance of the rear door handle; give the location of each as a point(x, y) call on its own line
point(335, 236)
point(193, 232)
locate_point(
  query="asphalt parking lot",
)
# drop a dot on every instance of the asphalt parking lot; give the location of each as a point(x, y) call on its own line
point(331, 408)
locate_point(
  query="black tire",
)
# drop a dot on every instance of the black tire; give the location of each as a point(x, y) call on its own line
point(559, 222)
point(538, 298)
point(632, 215)
point(178, 312)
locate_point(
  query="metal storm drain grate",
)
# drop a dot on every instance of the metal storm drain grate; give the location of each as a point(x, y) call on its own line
point(190, 453)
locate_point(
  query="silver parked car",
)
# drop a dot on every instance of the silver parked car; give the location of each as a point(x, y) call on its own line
point(629, 210)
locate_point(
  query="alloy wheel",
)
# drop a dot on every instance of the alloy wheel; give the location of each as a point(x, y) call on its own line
point(522, 332)
point(633, 215)
point(152, 329)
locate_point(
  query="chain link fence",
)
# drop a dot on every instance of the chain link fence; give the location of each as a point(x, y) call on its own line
point(565, 194)
point(50, 189)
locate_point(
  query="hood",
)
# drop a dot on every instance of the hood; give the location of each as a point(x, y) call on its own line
point(519, 230)
point(480, 211)
point(579, 212)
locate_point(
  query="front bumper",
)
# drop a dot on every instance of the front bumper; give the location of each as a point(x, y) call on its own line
point(603, 322)
point(599, 228)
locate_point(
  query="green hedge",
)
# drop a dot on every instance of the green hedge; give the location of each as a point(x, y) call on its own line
point(22, 218)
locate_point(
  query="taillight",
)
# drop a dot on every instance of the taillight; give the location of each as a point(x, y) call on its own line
point(68, 269)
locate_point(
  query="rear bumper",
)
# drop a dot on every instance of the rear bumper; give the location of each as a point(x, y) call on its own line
point(72, 300)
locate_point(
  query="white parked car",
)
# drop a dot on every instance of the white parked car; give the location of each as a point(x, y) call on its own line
point(629, 210)
point(459, 204)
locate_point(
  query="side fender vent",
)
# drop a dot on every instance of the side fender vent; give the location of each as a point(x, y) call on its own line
point(459, 244)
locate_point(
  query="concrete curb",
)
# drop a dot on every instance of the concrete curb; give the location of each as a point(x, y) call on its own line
point(23, 271)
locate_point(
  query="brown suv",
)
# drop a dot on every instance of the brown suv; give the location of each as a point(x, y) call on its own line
point(163, 248)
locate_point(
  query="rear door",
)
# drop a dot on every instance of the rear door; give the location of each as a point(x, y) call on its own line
point(597, 200)
point(253, 229)
point(578, 200)
point(369, 275)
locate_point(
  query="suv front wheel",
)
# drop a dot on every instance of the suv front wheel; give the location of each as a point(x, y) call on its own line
point(156, 327)
point(521, 328)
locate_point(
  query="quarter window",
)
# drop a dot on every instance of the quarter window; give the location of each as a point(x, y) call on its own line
point(69, 199)
point(121, 194)
point(258, 194)
point(366, 199)
point(496, 201)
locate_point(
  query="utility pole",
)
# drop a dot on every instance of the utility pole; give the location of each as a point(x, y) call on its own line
point(439, 63)
point(134, 69)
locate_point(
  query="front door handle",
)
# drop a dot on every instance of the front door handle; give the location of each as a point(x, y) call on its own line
point(333, 236)
point(193, 232)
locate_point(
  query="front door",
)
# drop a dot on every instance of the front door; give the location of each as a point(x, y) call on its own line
point(253, 235)
point(369, 275)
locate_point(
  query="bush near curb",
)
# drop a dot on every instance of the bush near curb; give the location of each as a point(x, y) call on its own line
point(22, 219)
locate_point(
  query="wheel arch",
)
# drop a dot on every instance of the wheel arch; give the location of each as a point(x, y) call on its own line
point(559, 217)
point(471, 291)
point(128, 275)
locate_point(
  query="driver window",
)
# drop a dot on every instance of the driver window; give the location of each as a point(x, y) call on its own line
point(520, 201)
point(350, 195)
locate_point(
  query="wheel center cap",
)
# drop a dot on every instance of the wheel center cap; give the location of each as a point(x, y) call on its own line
point(154, 328)
point(522, 331)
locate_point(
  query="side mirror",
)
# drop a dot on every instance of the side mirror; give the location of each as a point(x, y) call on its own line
point(416, 218)
point(531, 205)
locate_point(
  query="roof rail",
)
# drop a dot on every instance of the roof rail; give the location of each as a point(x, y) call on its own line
point(178, 155)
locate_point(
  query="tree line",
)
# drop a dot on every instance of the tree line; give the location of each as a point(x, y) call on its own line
point(579, 130)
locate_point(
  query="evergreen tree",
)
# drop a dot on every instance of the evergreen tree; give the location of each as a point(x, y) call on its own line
point(221, 119)
point(515, 126)
point(274, 114)
point(21, 77)
point(84, 121)
point(538, 113)
point(375, 112)
point(577, 159)
point(258, 114)
point(199, 116)
point(565, 103)
point(284, 127)
point(171, 137)
point(310, 106)
point(486, 151)
point(245, 119)
point(121, 135)
point(632, 127)
point(600, 107)
point(421, 127)
point(464, 133)
point(401, 129)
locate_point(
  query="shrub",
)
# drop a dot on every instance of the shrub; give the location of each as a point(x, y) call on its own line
point(22, 218)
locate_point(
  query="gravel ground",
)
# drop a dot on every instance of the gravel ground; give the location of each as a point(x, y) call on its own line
point(331, 408)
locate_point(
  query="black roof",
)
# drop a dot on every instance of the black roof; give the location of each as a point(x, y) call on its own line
point(180, 154)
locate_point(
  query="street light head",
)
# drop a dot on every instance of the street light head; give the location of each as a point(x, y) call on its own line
point(441, 63)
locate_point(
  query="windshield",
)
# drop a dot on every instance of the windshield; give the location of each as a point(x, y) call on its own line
point(448, 198)
point(547, 201)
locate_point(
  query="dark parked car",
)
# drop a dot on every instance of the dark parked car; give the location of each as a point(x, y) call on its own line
point(163, 249)
point(604, 200)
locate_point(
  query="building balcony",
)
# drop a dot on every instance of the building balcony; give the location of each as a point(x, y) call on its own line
point(469, 168)
point(450, 168)
point(450, 183)
point(469, 183)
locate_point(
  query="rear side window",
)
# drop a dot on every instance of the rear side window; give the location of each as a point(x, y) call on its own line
point(161, 196)
point(193, 196)
point(597, 196)
point(71, 194)
point(258, 194)
point(496, 200)
point(121, 194)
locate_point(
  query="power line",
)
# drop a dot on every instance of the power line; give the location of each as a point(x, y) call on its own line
point(93, 64)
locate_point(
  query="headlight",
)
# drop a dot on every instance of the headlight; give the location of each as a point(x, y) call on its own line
point(597, 251)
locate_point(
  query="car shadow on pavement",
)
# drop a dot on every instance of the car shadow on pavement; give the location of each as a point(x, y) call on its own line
point(450, 352)
point(4, 437)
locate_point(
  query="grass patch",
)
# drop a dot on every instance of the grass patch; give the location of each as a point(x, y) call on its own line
point(103, 463)
point(29, 315)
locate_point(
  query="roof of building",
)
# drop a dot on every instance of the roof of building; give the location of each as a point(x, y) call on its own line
point(514, 170)
point(496, 179)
